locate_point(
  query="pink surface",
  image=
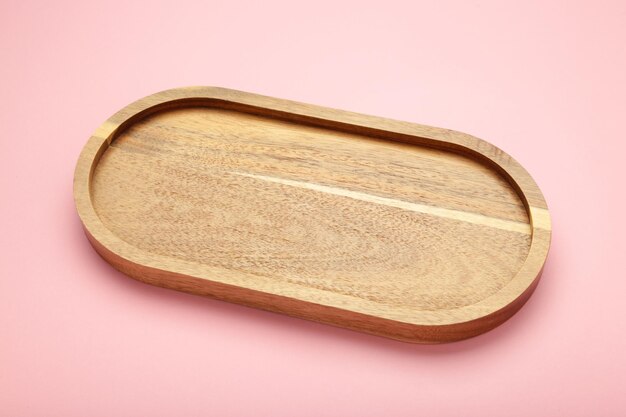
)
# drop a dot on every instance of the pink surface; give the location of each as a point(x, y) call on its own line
point(542, 80)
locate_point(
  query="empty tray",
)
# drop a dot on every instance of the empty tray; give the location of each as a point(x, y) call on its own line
point(406, 231)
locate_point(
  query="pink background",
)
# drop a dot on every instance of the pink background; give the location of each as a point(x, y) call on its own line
point(542, 80)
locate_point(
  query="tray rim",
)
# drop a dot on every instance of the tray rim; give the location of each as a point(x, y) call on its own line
point(403, 324)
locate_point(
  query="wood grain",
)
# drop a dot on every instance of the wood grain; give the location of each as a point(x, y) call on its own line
point(401, 230)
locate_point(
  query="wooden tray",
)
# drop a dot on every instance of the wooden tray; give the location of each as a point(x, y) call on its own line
point(406, 231)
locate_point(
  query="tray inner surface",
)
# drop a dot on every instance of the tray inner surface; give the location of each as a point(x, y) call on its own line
point(397, 224)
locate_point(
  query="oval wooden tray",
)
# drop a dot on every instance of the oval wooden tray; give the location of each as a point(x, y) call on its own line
point(406, 231)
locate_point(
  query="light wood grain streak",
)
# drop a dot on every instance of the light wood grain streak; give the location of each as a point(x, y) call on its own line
point(405, 205)
point(540, 218)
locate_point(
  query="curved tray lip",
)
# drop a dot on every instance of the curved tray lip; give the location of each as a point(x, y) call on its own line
point(510, 297)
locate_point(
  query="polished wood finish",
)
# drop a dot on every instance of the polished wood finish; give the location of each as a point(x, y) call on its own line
point(402, 230)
